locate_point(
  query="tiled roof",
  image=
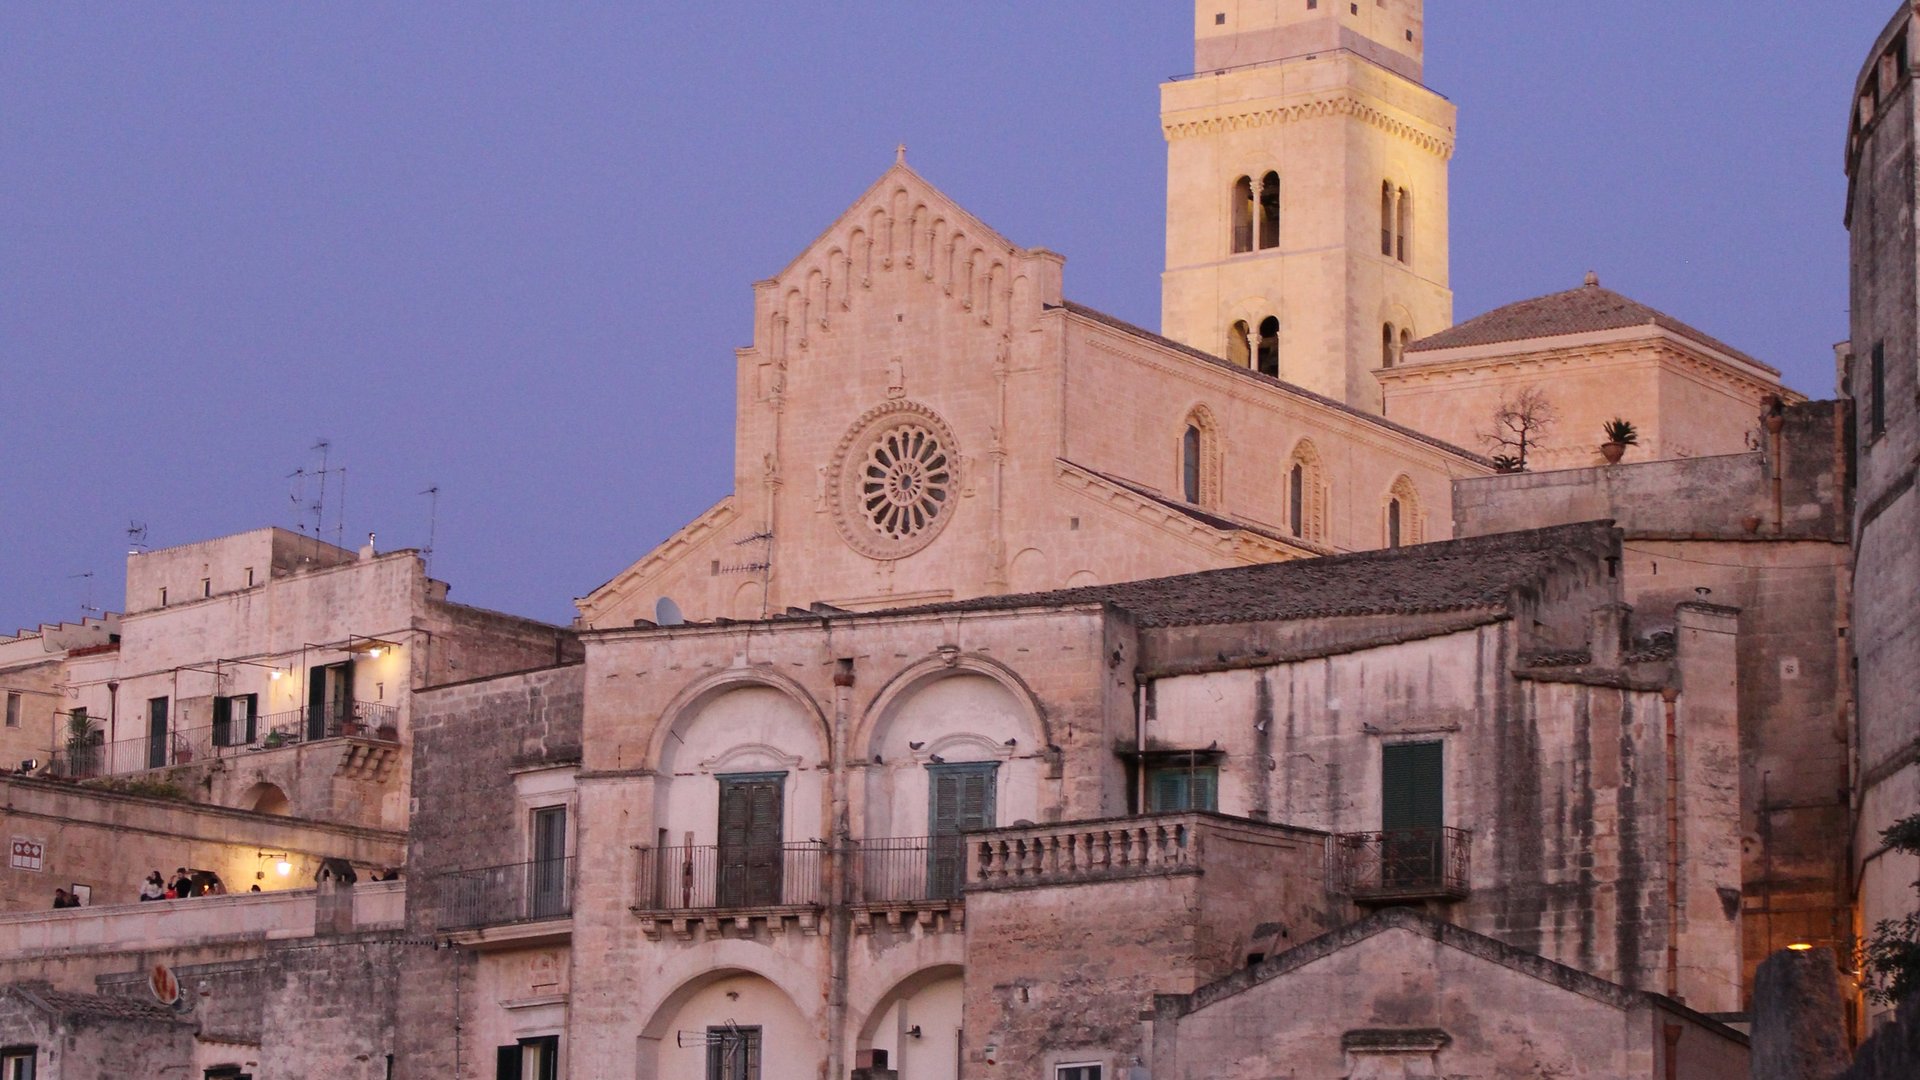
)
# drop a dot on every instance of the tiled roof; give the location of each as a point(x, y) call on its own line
point(111, 1006)
point(1576, 311)
point(1475, 574)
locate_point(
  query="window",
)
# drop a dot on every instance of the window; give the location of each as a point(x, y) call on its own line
point(1386, 219)
point(1403, 223)
point(1393, 523)
point(1412, 811)
point(234, 720)
point(226, 1072)
point(1878, 417)
point(206, 586)
point(1173, 788)
point(163, 596)
point(1240, 344)
point(1296, 498)
point(1268, 358)
point(16, 1062)
point(959, 797)
point(547, 872)
point(249, 577)
point(1387, 342)
point(1270, 211)
point(1079, 1072)
point(329, 699)
point(1404, 522)
point(733, 1053)
point(752, 809)
point(1190, 465)
point(1306, 510)
point(1242, 215)
point(13, 709)
point(529, 1059)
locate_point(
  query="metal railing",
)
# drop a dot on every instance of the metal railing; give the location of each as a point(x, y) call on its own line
point(497, 895)
point(710, 877)
point(185, 745)
point(906, 870)
point(1402, 864)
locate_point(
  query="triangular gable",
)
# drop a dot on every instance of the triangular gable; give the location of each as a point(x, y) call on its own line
point(880, 195)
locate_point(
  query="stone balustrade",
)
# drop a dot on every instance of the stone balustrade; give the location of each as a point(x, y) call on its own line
point(1160, 844)
point(165, 924)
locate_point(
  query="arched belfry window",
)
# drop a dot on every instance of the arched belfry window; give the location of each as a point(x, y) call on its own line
point(1270, 211)
point(1200, 458)
point(1267, 355)
point(1405, 523)
point(1306, 509)
point(1240, 344)
point(1386, 219)
point(1403, 224)
point(1243, 215)
point(1388, 341)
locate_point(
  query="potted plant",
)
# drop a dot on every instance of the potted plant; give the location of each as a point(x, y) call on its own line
point(1620, 435)
point(275, 740)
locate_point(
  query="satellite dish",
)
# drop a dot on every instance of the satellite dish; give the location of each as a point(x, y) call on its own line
point(667, 613)
point(166, 988)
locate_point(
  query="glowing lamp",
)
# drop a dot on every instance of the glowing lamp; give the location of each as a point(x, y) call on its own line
point(283, 868)
point(1799, 946)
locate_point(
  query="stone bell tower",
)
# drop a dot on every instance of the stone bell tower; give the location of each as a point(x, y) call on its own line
point(1307, 191)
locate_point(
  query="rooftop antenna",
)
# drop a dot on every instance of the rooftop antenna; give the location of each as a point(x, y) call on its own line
point(433, 525)
point(137, 537)
point(317, 506)
point(87, 605)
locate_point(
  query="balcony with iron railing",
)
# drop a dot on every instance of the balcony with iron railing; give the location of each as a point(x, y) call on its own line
point(1401, 865)
point(507, 900)
point(85, 760)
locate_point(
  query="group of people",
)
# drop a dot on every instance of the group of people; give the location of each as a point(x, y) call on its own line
point(64, 899)
point(183, 885)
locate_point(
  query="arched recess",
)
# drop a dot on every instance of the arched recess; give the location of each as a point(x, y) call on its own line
point(673, 1042)
point(1028, 571)
point(1199, 457)
point(1402, 518)
point(1269, 211)
point(1389, 345)
point(737, 722)
point(1307, 494)
point(929, 1000)
point(1242, 213)
point(265, 798)
point(963, 709)
point(1082, 579)
point(1240, 344)
point(1266, 350)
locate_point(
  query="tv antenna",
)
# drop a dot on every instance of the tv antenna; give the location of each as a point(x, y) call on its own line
point(136, 537)
point(320, 478)
point(87, 604)
point(433, 524)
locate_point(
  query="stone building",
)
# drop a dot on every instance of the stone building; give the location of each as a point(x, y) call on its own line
point(1881, 373)
point(33, 683)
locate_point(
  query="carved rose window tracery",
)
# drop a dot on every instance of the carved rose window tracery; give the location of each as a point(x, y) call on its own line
point(896, 480)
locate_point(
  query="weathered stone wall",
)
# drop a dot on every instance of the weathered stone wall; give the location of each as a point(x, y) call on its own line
point(1435, 1002)
point(1885, 318)
point(1061, 974)
point(90, 1046)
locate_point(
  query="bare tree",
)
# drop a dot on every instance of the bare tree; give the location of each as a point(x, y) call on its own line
point(1519, 425)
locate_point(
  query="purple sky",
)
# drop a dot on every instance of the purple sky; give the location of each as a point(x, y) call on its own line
point(507, 249)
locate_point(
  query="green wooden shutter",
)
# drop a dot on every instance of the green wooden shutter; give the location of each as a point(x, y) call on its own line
point(1411, 786)
point(506, 1063)
point(222, 721)
point(959, 797)
point(751, 833)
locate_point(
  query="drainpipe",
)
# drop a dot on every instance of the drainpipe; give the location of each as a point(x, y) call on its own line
point(840, 922)
point(1669, 695)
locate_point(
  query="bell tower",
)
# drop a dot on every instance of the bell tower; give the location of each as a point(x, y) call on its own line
point(1307, 191)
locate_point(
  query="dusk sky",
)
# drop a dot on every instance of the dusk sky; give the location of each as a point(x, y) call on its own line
point(507, 249)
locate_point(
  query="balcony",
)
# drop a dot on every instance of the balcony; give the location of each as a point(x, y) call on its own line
point(1402, 865)
point(186, 745)
point(1160, 845)
point(900, 881)
point(504, 903)
point(681, 887)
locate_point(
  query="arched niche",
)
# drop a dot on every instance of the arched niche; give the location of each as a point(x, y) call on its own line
point(969, 711)
point(738, 723)
point(673, 1044)
point(265, 798)
point(917, 1022)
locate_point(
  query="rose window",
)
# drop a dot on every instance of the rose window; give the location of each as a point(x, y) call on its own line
point(906, 482)
point(895, 480)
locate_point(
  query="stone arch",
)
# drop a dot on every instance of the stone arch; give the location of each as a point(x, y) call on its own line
point(1027, 571)
point(905, 682)
point(267, 798)
point(688, 703)
point(732, 961)
point(933, 1044)
point(1081, 579)
point(1306, 494)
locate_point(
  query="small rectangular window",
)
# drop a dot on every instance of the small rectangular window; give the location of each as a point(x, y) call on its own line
point(1220, 18)
point(163, 596)
point(16, 1062)
point(226, 1072)
point(1077, 1072)
point(1878, 416)
point(13, 710)
point(1175, 788)
point(733, 1053)
point(234, 720)
point(206, 586)
point(249, 577)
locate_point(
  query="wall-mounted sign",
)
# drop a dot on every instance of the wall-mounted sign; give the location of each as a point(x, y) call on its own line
point(28, 854)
